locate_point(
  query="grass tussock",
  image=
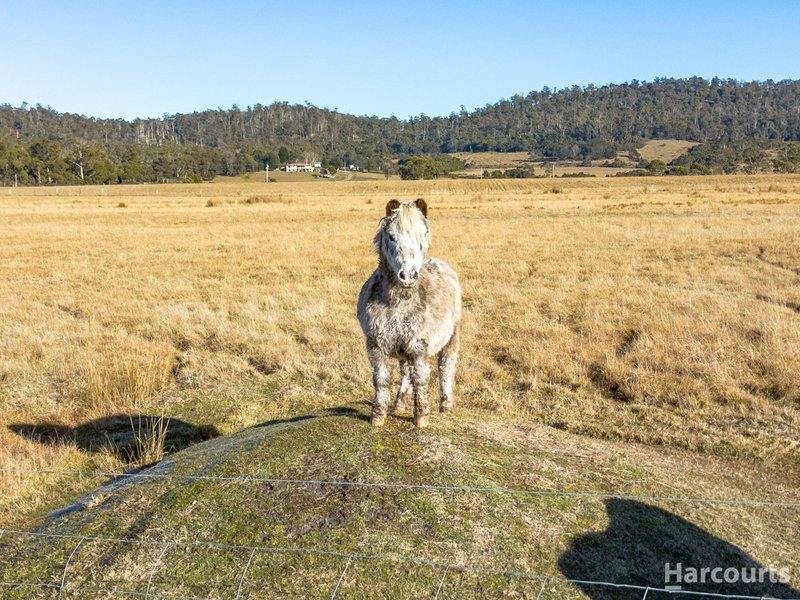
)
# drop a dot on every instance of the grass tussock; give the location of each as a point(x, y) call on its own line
point(128, 380)
point(150, 437)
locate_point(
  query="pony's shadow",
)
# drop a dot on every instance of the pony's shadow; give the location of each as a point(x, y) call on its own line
point(346, 411)
point(641, 540)
point(118, 434)
point(332, 411)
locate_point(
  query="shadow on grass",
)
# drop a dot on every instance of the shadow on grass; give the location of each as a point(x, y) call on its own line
point(117, 434)
point(641, 539)
point(333, 411)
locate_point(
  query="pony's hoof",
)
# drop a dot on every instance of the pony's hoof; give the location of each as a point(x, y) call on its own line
point(421, 421)
point(378, 420)
point(443, 408)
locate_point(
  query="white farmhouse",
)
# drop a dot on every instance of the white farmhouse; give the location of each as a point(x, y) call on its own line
point(297, 168)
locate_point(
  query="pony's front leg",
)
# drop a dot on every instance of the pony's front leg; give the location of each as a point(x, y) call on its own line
point(381, 379)
point(420, 374)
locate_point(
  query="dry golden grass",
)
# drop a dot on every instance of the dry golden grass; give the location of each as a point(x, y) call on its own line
point(665, 150)
point(661, 311)
point(478, 162)
point(493, 160)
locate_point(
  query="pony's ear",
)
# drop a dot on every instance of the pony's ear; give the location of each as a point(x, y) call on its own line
point(422, 206)
point(392, 205)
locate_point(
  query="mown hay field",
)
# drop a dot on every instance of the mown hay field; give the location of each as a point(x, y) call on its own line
point(657, 311)
point(665, 150)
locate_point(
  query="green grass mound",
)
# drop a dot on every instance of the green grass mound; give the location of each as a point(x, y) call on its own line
point(205, 523)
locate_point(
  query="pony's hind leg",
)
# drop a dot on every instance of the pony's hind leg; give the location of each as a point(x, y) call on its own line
point(448, 358)
point(381, 379)
point(403, 399)
point(420, 374)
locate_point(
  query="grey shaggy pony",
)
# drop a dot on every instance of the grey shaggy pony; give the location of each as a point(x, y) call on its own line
point(409, 309)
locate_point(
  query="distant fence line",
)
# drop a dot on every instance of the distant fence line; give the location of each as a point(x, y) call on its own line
point(407, 486)
point(350, 557)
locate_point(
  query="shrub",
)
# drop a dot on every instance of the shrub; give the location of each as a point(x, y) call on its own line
point(193, 178)
point(617, 163)
point(699, 169)
point(525, 172)
point(679, 170)
point(429, 167)
point(419, 167)
point(634, 173)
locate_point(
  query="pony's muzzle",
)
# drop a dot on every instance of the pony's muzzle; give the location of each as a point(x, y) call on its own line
point(408, 278)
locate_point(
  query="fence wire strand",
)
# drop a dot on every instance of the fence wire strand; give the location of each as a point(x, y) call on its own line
point(88, 590)
point(441, 583)
point(244, 573)
point(156, 564)
point(66, 567)
point(341, 578)
point(433, 564)
point(541, 589)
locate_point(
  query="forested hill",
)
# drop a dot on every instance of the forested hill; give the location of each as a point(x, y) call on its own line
point(574, 123)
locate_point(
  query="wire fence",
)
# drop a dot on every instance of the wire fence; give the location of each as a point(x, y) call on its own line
point(445, 567)
point(244, 479)
point(350, 558)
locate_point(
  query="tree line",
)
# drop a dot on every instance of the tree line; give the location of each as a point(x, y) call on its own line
point(42, 146)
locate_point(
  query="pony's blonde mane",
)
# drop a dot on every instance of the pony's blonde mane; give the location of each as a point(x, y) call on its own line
point(409, 218)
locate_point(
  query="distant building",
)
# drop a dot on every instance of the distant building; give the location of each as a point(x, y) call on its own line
point(298, 168)
point(317, 165)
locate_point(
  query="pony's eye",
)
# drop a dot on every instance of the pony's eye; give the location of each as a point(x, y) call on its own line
point(391, 237)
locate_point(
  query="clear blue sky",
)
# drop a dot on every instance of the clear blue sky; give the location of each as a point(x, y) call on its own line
point(126, 59)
